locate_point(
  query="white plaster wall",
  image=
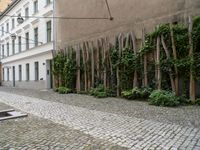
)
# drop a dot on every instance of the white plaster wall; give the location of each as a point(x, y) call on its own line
point(42, 67)
point(28, 25)
point(34, 54)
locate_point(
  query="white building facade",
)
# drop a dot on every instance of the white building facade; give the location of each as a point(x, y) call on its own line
point(26, 48)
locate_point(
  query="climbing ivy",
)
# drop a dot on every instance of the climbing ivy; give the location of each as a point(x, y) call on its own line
point(64, 69)
point(122, 63)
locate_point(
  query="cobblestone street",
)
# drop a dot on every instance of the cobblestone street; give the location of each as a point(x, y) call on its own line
point(60, 124)
point(34, 133)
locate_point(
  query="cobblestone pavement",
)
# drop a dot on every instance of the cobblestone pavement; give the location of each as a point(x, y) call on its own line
point(33, 133)
point(184, 116)
point(124, 131)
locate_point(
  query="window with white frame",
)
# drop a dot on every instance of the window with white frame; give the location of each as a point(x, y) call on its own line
point(26, 13)
point(8, 74)
point(13, 23)
point(3, 53)
point(36, 36)
point(48, 2)
point(27, 72)
point(8, 49)
point(19, 44)
point(36, 71)
point(13, 46)
point(27, 40)
point(3, 74)
point(7, 27)
point(49, 31)
point(20, 72)
point(35, 4)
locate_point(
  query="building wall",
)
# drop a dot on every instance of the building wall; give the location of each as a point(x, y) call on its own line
point(40, 53)
point(4, 4)
point(31, 84)
point(128, 15)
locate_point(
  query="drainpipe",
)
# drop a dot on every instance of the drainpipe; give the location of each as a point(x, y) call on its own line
point(0, 67)
point(54, 35)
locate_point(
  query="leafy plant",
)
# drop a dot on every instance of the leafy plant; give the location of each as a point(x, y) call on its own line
point(100, 91)
point(137, 93)
point(127, 94)
point(69, 71)
point(198, 101)
point(163, 98)
point(64, 90)
point(145, 92)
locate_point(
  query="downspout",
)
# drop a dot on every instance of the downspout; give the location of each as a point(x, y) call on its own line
point(54, 39)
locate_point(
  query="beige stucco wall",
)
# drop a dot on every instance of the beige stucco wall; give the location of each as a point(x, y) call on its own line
point(4, 4)
point(129, 15)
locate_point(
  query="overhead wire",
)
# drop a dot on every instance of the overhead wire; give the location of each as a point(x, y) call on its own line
point(57, 17)
point(20, 36)
point(72, 18)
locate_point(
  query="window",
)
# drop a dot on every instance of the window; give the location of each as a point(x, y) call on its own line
point(48, 2)
point(2, 32)
point(7, 27)
point(13, 23)
point(8, 74)
point(19, 44)
point(27, 40)
point(3, 53)
point(35, 4)
point(49, 31)
point(13, 47)
point(20, 72)
point(27, 72)
point(36, 36)
point(26, 13)
point(36, 71)
point(3, 74)
point(8, 49)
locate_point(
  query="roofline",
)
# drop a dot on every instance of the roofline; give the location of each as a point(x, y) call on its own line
point(9, 8)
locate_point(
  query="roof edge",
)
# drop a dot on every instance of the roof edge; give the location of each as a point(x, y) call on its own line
point(9, 8)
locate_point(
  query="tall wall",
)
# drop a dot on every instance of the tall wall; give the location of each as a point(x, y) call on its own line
point(4, 4)
point(128, 15)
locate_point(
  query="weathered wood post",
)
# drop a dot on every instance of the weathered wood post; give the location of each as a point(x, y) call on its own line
point(192, 80)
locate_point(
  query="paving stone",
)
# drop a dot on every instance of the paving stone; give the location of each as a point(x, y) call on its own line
point(184, 116)
point(34, 133)
point(116, 130)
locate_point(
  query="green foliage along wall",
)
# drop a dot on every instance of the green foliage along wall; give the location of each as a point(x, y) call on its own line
point(161, 61)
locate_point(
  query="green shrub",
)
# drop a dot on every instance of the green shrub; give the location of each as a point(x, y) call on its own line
point(64, 90)
point(145, 92)
point(198, 101)
point(183, 100)
point(99, 92)
point(163, 98)
point(127, 94)
point(137, 93)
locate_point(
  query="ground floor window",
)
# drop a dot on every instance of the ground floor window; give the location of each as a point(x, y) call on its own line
point(8, 74)
point(27, 72)
point(3, 74)
point(20, 72)
point(36, 71)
